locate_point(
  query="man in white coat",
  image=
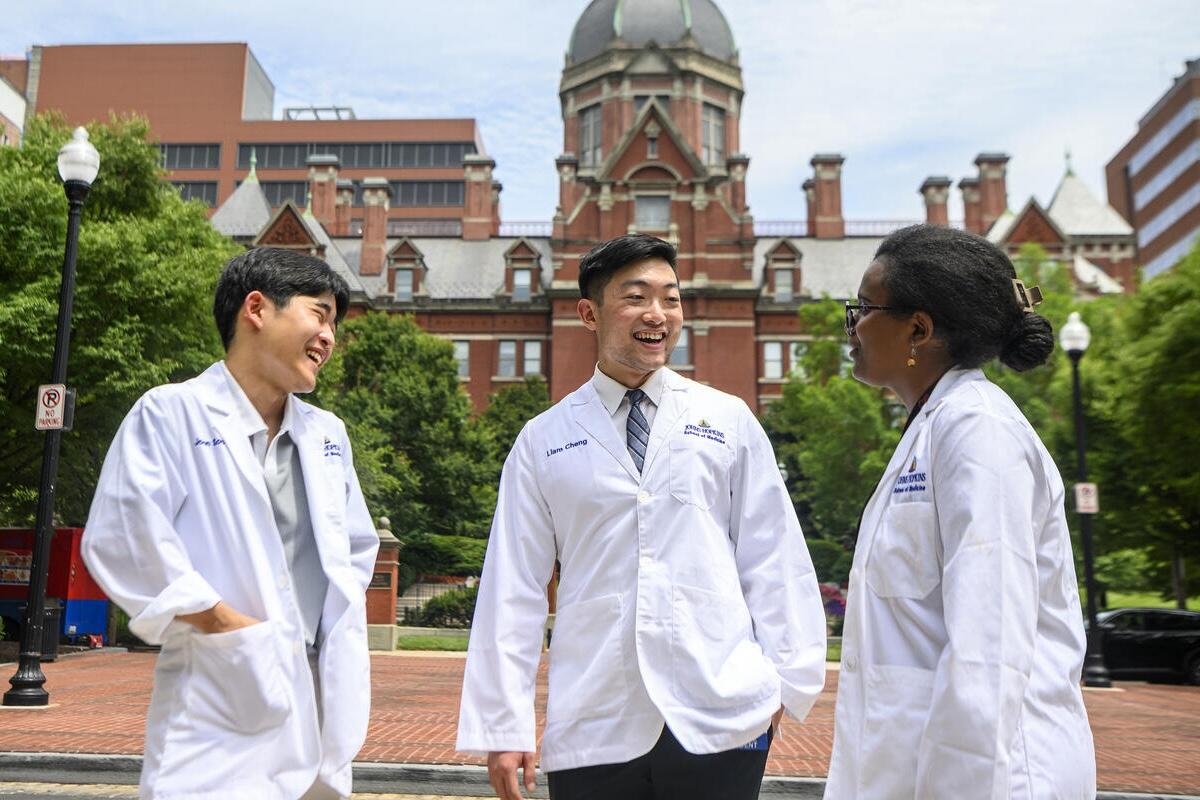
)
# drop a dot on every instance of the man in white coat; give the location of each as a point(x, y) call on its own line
point(228, 522)
point(688, 614)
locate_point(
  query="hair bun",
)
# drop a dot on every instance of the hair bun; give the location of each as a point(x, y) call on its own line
point(1030, 343)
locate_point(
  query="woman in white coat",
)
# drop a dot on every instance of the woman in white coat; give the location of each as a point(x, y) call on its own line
point(963, 642)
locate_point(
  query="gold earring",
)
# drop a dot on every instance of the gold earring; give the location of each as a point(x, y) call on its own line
point(912, 358)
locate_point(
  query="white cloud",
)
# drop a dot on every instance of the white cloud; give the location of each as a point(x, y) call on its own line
point(904, 89)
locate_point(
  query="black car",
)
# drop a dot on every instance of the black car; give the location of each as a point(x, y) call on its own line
point(1151, 643)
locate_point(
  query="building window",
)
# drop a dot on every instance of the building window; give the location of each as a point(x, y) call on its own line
point(508, 360)
point(681, 356)
point(533, 357)
point(462, 354)
point(773, 360)
point(190, 156)
point(404, 285)
point(783, 285)
point(589, 136)
point(640, 100)
point(521, 289)
point(652, 212)
point(279, 192)
point(204, 191)
point(796, 351)
point(360, 155)
point(713, 126)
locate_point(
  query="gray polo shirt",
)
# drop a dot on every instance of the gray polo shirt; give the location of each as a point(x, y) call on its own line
point(280, 460)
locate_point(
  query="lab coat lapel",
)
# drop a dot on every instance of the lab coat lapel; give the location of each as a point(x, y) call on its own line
point(591, 415)
point(672, 404)
point(215, 390)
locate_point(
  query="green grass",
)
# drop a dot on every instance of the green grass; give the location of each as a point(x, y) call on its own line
point(454, 644)
point(1143, 599)
point(834, 652)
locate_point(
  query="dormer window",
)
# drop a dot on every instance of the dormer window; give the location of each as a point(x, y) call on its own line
point(404, 285)
point(783, 285)
point(522, 285)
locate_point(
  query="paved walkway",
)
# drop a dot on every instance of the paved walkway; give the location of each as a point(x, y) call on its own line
point(1146, 735)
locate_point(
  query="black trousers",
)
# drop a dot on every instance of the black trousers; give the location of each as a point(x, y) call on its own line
point(667, 772)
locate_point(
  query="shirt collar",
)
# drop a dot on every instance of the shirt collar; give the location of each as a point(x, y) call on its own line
point(612, 392)
point(252, 421)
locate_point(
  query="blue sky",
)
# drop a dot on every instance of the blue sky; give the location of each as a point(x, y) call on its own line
point(903, 88)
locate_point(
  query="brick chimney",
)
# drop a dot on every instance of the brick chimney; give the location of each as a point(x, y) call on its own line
point(971, 208)
point(936, 191)
point(477, 203)
point(322, 186)
point(810, 201)
point(993, 189)
point(827, 176)
point(342, 207)
point(376, 194)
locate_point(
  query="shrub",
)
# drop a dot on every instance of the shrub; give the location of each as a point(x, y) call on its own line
point(436, 554)
point(826, 556)
point(453, 609)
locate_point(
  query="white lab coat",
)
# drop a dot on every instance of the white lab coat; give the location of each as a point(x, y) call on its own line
point(180, 520)
point(686, 593)
point(963, 641)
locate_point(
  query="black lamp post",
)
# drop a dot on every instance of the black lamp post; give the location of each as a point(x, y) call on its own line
point(78, 163)
point(1074, 338)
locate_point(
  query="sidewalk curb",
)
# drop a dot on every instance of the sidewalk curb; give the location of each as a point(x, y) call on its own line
point(455, 780)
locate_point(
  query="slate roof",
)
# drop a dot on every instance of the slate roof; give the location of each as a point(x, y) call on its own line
point(245, 212)
point(827, 266)
point(1078, 213)
point(639, 22)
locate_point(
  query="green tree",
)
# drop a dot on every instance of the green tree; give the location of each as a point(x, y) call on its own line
point(509, 409)
point(146, 269)
point(421, 459)
point(833, 434)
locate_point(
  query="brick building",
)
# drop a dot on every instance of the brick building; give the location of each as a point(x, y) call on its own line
point(651, 96)
point(12, 113)
point(1154, 180)
point(211, 106)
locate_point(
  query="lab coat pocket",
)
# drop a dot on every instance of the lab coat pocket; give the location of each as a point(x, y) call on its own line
point(897, 709)
point(714, 660)
point(236, 679)
point(904, 560)
point(699, 470)
point(587, 661)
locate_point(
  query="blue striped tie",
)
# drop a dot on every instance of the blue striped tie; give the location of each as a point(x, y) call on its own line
point(637, 430)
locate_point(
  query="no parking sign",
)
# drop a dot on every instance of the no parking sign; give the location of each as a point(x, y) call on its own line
point(51, 407)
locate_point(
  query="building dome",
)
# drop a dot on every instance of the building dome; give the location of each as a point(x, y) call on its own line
point(639, 22)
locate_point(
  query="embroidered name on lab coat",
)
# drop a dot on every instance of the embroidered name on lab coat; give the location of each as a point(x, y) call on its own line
point(704, 432)
point(216, 441)
point(567, 446)
point(332, 449)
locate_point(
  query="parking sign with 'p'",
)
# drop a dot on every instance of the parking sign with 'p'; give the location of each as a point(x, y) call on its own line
point(51, 407)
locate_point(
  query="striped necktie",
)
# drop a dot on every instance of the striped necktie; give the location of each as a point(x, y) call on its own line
point(637, 430)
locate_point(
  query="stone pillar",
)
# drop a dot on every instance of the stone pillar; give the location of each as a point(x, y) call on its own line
point(343, 207)
point(810, 199)
point(376, 195)
point(736, 165)
point(381, 594)
point(936, 191)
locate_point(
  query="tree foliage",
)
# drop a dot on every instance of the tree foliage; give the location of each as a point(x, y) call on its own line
point(509, 409)
point(422, 461)
point(146, 268)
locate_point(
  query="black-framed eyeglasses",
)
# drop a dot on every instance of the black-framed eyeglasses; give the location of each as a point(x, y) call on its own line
point(856, 311)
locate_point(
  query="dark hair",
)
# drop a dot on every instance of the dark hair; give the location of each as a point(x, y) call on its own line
point(604, 260)
point(965, 283)
point(280, 275)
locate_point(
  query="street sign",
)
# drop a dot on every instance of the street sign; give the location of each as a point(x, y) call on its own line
point(1087, 498)
point(51, 407)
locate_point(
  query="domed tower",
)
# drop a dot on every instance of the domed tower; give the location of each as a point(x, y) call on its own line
point(651, 99)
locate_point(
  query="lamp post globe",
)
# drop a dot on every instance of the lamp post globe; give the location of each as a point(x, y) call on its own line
point(78, 165)
point(1074, 337)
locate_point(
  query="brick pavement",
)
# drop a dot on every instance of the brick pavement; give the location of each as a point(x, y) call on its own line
point(1146, 735)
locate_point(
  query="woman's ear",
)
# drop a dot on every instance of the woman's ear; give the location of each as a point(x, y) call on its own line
point(922, 328)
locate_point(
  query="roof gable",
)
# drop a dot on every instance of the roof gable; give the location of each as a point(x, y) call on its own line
point(652, 122)
point(289, 230)
point(1033, 224)
point(405, 250)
